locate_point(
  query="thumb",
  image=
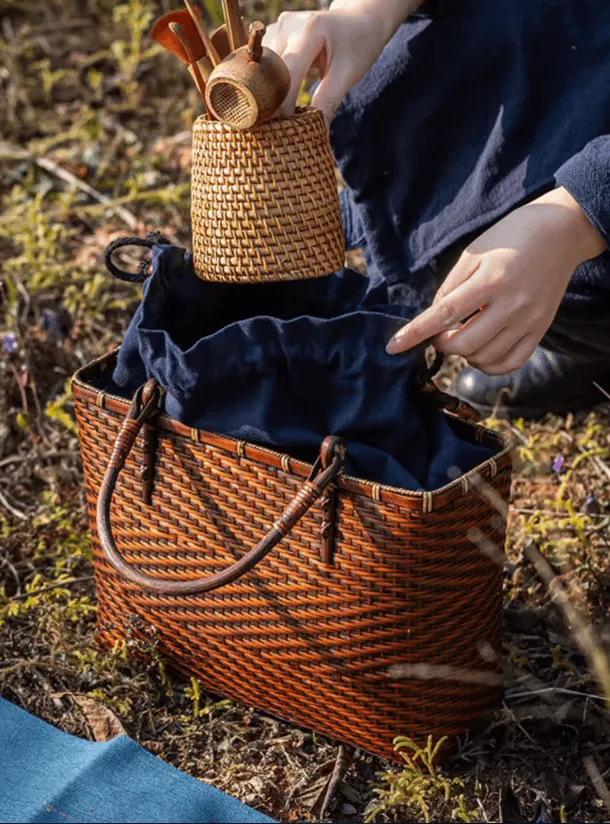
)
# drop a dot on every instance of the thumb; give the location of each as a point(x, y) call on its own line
point(301, 52)
point(331, 90)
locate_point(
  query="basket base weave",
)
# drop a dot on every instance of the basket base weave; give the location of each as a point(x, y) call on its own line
point(360, 718)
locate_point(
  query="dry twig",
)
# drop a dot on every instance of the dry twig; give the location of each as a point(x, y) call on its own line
point(581, 628)
point(9, 152)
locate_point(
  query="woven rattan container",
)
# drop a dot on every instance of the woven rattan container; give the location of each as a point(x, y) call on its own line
point(264, 203)
point(376, 615)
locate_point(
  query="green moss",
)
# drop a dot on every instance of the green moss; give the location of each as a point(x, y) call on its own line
point(421, 786)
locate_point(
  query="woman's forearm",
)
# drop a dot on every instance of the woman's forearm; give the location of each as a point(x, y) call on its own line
point(384, 14)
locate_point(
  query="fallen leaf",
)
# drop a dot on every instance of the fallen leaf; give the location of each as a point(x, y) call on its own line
point(103, 722)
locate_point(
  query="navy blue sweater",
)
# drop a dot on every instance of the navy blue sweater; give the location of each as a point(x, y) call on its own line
point(468, 113)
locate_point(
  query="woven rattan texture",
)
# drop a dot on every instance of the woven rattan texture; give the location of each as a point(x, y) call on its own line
point(264, 202)
point(304, 641)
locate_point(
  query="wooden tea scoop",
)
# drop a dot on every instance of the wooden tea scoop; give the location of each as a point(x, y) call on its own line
point(207, 43)
point(234, 24)
point(220, 39)
point(249, 85)
point(178, 31)
point(162, 33)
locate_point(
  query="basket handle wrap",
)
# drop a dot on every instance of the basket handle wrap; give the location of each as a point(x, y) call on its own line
point(325, 472)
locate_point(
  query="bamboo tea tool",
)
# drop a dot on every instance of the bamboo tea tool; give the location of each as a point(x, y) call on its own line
point(178, 31)
point(207, 43)
point(249, 85)
point(161, 33)
point(220, 39)
point(234, 24)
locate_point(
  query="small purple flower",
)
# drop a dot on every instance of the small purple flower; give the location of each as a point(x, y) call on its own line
point(558, 464)
point(9, 342)
point(591, 506)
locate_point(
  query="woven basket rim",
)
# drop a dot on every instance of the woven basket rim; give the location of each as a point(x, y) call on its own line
point(439, 496)
point(205, 122)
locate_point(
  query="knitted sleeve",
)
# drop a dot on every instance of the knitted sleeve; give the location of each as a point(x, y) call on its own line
point(586, 176)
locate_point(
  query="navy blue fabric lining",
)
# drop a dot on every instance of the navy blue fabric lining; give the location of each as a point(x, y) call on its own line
point(286, 364)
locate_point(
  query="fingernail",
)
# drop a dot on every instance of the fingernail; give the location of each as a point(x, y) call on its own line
point(393, 345)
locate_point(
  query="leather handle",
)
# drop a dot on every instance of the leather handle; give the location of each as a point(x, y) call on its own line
point(324, 473)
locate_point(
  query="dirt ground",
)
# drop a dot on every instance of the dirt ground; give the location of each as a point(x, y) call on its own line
point(95, 144)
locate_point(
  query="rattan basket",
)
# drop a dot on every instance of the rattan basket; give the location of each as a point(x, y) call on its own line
point(354, 609)
point(264, 202)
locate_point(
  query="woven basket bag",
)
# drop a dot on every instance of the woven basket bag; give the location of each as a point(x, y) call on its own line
point(264, 202)
point(353, 609)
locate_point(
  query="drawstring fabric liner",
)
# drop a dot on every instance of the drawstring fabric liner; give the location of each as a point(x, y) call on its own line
point(286, 364)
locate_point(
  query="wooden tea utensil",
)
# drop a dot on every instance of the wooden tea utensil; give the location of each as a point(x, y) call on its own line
point(207, 43)
point(249, 85)
point(234, 23)
point(220, 39)
point(179, 32)
point(161, 33)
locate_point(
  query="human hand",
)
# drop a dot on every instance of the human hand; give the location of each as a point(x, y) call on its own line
point(513, 277)
point(341, 43)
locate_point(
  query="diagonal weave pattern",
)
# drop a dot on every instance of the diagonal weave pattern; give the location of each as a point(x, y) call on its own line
point(303, 640)
point(264, 202)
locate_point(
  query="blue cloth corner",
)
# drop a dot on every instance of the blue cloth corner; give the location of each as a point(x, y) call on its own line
point(48, 775)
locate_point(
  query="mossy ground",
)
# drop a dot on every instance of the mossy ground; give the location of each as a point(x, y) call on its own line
point(85, 92)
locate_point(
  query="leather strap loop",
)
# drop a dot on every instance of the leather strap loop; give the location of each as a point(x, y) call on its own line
point(139, 412)
point(143, 268)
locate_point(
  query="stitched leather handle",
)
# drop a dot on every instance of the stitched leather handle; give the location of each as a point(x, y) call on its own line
point(325, 472)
